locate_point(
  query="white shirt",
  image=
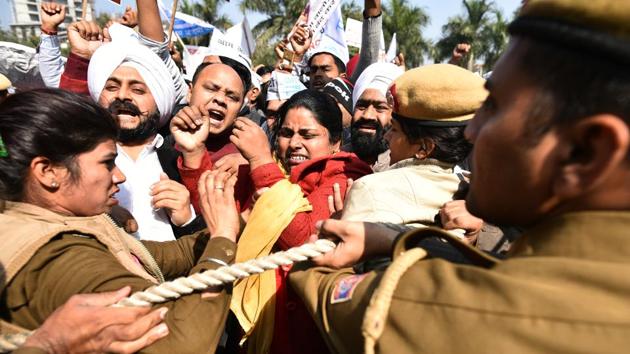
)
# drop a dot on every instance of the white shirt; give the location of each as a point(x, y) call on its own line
point(134, 195)
point(51, 63)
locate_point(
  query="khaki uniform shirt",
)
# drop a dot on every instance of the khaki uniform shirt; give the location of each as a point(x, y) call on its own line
point(564, 289)
point(72, 264)
point(411, 192)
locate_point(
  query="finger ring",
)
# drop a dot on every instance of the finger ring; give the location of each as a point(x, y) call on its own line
point(219, 188)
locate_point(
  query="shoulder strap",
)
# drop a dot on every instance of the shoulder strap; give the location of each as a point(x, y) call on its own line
point(410, 239)
point(376, 313)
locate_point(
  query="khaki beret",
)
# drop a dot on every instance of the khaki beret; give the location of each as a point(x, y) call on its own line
point(597, 26)
point(438, 94)
point(5, 83)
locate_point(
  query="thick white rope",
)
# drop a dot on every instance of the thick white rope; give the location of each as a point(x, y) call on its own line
point(174, 289)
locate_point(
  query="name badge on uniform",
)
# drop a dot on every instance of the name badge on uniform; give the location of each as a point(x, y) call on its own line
point(344, 288)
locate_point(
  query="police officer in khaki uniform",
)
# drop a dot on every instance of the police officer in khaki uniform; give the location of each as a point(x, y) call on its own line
point(552, 153)
point(56, 184)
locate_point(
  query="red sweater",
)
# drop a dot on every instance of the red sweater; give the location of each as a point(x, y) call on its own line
point(294, 329)
point(316, 178)
point(216, 148)
point(74, 77)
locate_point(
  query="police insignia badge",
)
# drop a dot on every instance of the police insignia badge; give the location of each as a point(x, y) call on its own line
point(344, 288)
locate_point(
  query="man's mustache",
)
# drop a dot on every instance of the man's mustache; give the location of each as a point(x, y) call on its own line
point(118, 106)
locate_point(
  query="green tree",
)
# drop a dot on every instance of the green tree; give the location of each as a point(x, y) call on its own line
point(281, 16)
point(407, 22)
point(207, 10)
point(482, 26)
point(31, 41)
point(102, 19)
point(351, 9)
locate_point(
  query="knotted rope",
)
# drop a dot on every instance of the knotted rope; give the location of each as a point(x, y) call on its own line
point(174, 289)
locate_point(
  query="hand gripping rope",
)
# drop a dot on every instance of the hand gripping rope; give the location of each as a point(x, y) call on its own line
point(171, 290)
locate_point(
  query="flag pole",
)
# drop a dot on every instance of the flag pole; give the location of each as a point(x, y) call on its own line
point(84, 10)
point(172, 23)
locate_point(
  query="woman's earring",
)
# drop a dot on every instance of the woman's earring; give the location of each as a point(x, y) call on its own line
point(54, 184)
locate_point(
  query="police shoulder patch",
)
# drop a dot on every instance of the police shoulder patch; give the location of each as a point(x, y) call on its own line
point(344, 288)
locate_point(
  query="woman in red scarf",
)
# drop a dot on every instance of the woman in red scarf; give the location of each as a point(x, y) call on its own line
point(307, 145)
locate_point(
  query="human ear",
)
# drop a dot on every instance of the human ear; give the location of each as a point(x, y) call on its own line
point(336, 147)
point(46, 173)
point(595, 148)
point(425, 148)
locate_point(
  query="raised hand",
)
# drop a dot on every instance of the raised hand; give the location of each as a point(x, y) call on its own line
point(129, 18)
point(174, 197)
point(400, 60)
point(280, 48)
point(85, 38)
point(252, 142)
point(301, 40)
point(51, 15)
point(190, 128)
point(460, 50)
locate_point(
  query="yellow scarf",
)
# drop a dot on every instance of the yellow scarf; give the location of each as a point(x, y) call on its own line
point(253, 298)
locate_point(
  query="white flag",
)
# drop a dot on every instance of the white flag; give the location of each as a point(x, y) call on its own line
point(391, 52)
point(354, 32)
point(241, 34)
point(332, 37)
point(319, 12)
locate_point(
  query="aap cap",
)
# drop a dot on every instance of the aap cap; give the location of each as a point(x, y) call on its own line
point(340, 91)
point(438, 95)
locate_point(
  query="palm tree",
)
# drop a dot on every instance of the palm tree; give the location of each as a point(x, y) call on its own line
point(351, 9)
point(407, 21)
point(482, 26)
point(207, 10)
point(281, 16)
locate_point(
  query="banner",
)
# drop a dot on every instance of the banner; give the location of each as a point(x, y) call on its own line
point(186, 26)
point(221, 45)
point(319, 11)
point(331, 38)
point(354, 32)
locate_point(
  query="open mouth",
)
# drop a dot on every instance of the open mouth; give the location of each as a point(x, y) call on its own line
point(216, 117)
point(370, 128)
point(125, 115)
point(296, 159)
point(122, 109)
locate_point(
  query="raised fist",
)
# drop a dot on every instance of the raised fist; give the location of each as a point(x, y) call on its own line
point(51, 15)
point(85, 38)
point(459, 52)
point(129, 18)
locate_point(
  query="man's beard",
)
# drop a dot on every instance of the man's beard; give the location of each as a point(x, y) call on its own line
point(147, 127)
point(365, 145)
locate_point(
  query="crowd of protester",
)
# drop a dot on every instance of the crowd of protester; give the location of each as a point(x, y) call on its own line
point(470, 215)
